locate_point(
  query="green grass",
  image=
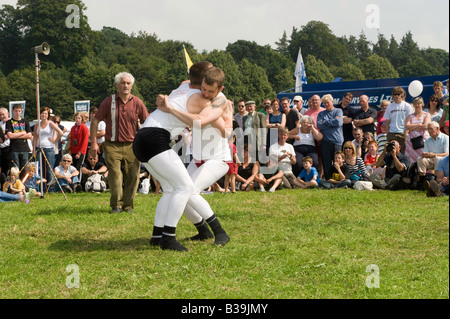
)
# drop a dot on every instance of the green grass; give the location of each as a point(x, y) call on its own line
point(290, 244)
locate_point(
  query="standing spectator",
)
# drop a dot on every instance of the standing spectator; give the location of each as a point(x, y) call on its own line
point(396, 165)
point(434, 108)
point(238, 117)
point(100, 133)
point(58, 149)
point(275, 120)
point(445, 114)
point(438, 88)
point(366, 116)
point(314, 109)
point(45, 138)
point(298, 105)
point(436, 148)
point(358, 140)
point(330, 122)
point(382, 137)
point(283, 153)
point(380, 114)
point(19, 132)
point(395, 116)
point(121, 113)
point(292, 117)
point(416, 126)
point(347, 118)
point(306, 138)
point(79, 137)
point(440, 185)
point(255, 128)
point(4, 143)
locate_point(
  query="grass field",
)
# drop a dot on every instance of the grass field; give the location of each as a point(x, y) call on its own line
point(312, 244)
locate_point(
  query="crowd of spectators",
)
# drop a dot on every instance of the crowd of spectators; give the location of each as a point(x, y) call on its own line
point(399, 146)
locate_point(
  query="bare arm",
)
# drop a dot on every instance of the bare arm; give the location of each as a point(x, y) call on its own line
point(208, 115)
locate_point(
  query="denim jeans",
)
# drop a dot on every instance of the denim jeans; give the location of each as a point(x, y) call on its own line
point(6, 197)
point(47, 167)
point(19, 159)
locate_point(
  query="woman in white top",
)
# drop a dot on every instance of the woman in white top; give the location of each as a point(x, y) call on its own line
point(45, 136)
point(306, 136)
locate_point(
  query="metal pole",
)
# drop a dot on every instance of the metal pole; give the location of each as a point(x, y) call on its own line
point(38, 107)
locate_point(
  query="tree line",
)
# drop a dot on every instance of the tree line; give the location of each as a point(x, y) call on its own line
point(83, 62)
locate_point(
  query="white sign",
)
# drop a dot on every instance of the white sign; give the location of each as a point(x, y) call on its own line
point(82, 106)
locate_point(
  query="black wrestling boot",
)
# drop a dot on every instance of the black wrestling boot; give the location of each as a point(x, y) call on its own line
point(221, 236)
point(203, 232)
point(169, 242)
point(155, 241)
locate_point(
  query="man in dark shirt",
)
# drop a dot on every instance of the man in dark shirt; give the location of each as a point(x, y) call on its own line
point(292, 117)
point(366, 116)
point(396, 166)
point(348, 111)
point(19, 132)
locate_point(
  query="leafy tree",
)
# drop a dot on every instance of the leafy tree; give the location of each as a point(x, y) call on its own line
point(12, 51)
point(376, 67)
point(437, 58)
point(283, 45)
point(255, 82)
point(348, 72)
point(317, 39)
point(45, 20)
point(381, 48)
point(317, 71)
point(417, 67)
point(363, 48)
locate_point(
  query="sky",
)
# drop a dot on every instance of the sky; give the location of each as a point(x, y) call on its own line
point(213, 24)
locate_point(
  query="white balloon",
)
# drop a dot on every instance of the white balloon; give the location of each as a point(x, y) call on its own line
point(415, 88)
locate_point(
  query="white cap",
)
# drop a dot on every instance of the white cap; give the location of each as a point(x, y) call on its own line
point(298, 98)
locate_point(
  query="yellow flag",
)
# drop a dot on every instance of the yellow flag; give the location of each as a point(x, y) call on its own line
point(188, 59)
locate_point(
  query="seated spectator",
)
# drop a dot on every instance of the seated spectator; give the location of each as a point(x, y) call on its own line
point(416, 128)
point(92, 167)
point(283, 153)
point(67, 175)
point(434, 108)
point(339, 175)
point(396, 166)
point(270, 177)
point(355, 163)
point(436, 148)
point(247, 171)
point(371, 157)
point(14, 185)
point(32, 179)
point(309, 177)
point(305, 138)
point(438, 187)
point(6, 197)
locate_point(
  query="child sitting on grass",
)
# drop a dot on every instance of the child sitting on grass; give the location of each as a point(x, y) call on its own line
point(339, 174)
point(309, 177)
point(15, 186)
point(33, 180)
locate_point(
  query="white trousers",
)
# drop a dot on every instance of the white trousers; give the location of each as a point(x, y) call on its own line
point(204, 176)
point(181, 190)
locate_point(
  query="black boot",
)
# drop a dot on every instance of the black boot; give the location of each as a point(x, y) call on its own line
point(221, 236)
point(169, 242)
point(203, 232)
point(156, 236)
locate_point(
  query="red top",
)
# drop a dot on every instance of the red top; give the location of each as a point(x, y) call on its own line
point(81, 134)
point(127, 115)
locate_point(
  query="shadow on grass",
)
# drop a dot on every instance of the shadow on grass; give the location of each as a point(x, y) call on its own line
point(73, 210)
point(88, 245)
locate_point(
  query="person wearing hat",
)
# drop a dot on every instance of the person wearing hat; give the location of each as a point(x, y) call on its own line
point(298, 105)
point(255, 126)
